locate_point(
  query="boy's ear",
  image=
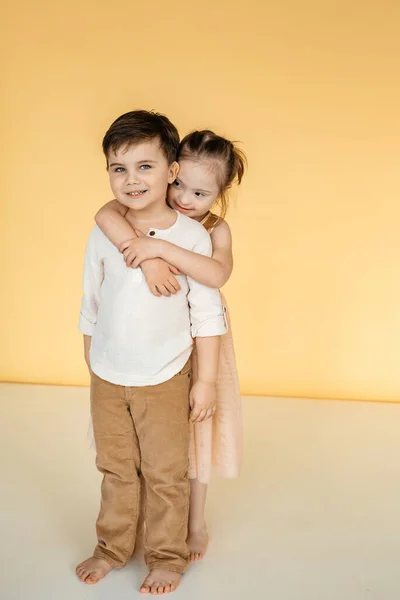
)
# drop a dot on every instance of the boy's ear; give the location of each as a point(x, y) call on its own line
point(173, 172)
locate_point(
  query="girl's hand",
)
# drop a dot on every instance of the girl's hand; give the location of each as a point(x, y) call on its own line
point(139, 249)
point(160, 278)
point(203, 401)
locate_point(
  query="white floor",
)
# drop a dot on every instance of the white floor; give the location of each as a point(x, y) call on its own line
point(315, 516)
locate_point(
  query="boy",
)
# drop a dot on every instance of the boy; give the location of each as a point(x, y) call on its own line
point(138, 349)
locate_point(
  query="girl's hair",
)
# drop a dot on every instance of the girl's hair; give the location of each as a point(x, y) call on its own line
point(229, 161)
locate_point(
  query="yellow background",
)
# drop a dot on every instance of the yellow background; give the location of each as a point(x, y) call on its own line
point(310, 88)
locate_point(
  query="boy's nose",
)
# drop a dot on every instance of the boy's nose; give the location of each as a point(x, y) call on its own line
point(133, 179)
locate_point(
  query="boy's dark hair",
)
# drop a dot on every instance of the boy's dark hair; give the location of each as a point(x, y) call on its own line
point(139, 126)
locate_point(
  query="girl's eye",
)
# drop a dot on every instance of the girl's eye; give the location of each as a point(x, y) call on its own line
point(199, 194)
point(177, 183)
point(119, 170)
point(145, 167)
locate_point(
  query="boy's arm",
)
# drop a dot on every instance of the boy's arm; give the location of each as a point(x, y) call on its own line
point(213, 272)
point(207, 324)
point(93, 275)
point(87, 341)
point(203, 395)
point(208, 358)
point(159, 276)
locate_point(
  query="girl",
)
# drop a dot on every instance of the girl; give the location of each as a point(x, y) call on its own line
point(209, 164)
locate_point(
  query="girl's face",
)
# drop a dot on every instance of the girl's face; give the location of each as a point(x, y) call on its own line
point(195, 189)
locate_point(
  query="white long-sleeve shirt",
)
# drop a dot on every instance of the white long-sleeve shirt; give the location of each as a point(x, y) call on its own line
point(139, 339)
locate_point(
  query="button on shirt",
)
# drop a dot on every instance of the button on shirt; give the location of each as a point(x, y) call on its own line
point(139, 339)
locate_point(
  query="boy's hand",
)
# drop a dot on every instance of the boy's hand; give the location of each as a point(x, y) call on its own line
point(139, 249)
point(203, 401)
point(160, 278)
point(87, 340)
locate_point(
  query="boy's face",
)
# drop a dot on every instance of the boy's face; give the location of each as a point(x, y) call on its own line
point(140, 174)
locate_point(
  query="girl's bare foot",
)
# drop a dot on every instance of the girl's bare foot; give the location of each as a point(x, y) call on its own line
point(160, 582)
point(197, 542)
point(92, 570)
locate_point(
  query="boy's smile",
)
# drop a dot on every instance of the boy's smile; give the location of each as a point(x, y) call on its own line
point(140, 174)
point(137, 194)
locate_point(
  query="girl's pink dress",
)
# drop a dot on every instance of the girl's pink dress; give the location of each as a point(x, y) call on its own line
point(217, 442)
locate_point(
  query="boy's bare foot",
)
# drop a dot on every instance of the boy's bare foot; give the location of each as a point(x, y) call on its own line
point(92, 570)
point(197, 542)
point(160, 582)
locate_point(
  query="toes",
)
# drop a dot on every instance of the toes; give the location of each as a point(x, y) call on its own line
point(83, 574)
point(193, 556)
point(145, 589)
point(158, 586)
point(164, 588)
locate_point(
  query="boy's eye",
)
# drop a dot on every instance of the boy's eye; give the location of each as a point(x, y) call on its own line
point(177, 183)
point(145, 167)
point(119, 170)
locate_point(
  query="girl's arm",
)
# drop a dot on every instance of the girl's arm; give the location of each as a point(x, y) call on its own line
point(159, 275)
point(112, 222)
point(213, 272)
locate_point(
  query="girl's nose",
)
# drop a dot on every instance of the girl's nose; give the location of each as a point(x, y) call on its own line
point(183, 200)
